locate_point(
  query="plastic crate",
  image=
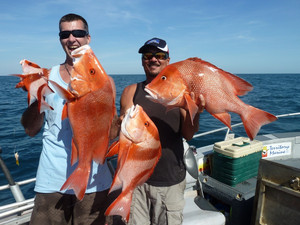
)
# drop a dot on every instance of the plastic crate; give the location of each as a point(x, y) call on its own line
point(236, 160)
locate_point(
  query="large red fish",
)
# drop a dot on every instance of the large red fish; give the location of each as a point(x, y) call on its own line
point(174, 85)
point(90, 108)
point(139, 150)
point(34, 80)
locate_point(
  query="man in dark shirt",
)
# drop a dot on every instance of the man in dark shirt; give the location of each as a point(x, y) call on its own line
point(160, 200)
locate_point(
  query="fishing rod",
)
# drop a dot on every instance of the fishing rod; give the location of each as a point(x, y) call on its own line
point(14, 187)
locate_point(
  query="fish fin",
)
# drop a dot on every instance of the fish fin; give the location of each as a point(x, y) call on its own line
point(116, 183)
point(191, 106)
point(224, 118)
point(240, 86)
point(29, 99)
point(121, 206)
point(113, 149)
point(254, 119)
point(17, 75)
point(74, 154)
point(46, 73)
point(42, 104)
point(64, 113)
point(100, 151)
point(21, 84)
point(78, 182)
point(65, 94)
point(195, 59)
point(46, 90)
point(122, 157)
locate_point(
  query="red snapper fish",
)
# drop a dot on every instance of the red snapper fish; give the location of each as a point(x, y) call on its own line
point(175, 83)
point(139, 150)
point(90, 108)
point(34, 80)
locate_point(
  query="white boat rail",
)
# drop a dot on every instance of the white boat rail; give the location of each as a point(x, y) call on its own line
point(6, 186)
point(17, 207)
point(239, 124)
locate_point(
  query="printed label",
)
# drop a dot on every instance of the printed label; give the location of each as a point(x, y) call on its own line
point(277, 149)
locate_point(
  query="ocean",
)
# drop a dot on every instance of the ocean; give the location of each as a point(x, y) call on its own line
point(276, 93)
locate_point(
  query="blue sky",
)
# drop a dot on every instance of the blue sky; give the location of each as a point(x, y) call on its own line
point(239, 36)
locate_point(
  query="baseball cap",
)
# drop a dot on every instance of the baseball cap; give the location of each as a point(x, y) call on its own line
point(156, 42)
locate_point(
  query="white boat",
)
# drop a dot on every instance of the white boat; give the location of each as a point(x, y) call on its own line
point(206, 197)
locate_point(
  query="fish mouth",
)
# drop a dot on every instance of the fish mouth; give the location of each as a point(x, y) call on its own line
point(153, 96)
point(79, 52)
point(76, 77)
point(130, 114)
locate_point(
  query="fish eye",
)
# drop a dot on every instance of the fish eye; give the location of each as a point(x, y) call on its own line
point(146, 124)
point(92, 71)
point(163, 77)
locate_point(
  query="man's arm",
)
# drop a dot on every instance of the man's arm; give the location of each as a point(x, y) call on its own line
point(32, 120)
point(126, 100)
point(115, 126)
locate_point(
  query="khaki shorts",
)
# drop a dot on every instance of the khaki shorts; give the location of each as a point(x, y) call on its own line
point(157, 205)
point(57, 208)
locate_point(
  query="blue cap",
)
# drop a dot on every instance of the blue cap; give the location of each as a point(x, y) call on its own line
point(156, 42)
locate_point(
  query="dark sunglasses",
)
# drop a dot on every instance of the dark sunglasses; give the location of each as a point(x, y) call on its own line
point(76, 33)
point(158, 55)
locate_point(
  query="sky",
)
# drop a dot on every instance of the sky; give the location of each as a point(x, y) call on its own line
point(239, 36)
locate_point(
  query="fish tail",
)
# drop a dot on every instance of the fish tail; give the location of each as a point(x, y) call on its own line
point(113, 149)
point(121, 206)
point(254, 119)
point(78, 182)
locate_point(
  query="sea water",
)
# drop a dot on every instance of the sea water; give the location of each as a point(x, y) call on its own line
point(276, 93)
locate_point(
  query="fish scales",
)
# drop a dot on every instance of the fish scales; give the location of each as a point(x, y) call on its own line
point(174, 86)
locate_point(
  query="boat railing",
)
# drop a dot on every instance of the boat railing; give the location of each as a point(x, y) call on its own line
point(238, 124)
point(16, 213)
point(6, 186)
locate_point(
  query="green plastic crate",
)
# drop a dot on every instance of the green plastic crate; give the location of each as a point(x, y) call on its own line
point(233, 170)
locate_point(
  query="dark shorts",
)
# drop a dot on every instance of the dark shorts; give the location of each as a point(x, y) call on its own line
point(57, 208)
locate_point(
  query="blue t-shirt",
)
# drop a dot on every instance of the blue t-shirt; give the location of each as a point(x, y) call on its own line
point(55, 160)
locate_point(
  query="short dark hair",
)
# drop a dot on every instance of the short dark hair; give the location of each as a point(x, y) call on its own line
point(72, 17)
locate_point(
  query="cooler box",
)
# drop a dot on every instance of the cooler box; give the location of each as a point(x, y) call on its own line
point(236, 160)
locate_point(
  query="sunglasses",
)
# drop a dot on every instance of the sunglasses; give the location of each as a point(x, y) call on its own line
point(76, 33)
point(158, 55)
